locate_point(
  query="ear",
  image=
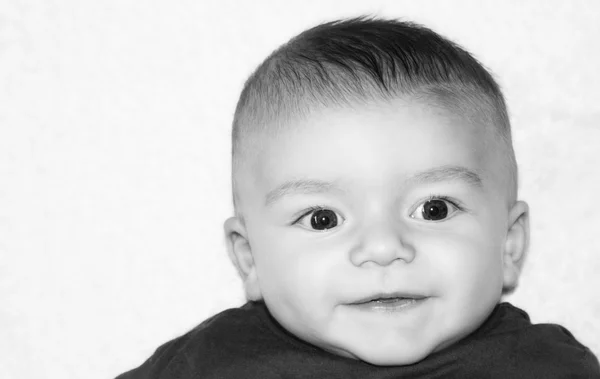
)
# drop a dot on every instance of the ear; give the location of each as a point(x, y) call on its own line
point(516, 245)
point(240, 254)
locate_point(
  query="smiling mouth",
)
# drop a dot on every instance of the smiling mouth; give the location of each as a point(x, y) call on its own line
point(388, 298)
point(389, 303)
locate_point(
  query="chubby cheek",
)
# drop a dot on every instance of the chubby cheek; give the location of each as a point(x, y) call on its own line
point(466, 276)
point(465, 265)
point(276, 265)
point(290, 271)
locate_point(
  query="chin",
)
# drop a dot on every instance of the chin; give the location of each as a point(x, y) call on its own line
point(385, 358)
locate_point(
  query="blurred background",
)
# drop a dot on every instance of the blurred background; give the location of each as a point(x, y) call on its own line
point(114, 162)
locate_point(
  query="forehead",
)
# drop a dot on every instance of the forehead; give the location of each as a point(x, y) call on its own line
point(373, 140)
point(369, 150)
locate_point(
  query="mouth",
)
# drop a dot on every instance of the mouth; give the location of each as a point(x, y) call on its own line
point(389, 303)
point(389, 298)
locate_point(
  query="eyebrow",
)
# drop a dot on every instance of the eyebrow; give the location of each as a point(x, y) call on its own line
point(447, 174)
point(433, 175)
point(299, 186)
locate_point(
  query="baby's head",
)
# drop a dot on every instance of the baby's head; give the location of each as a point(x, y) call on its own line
point(372, 159)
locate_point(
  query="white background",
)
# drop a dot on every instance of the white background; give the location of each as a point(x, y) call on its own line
point(114, 162)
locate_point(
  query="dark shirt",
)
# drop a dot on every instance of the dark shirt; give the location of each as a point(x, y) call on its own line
point(247, 342)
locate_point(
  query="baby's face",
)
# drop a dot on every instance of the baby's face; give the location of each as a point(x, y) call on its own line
point(393, 200)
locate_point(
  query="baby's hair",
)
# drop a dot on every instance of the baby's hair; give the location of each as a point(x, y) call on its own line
point(351, 62)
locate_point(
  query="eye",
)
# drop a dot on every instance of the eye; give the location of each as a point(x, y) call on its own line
point(320, 219)
point(435, 209)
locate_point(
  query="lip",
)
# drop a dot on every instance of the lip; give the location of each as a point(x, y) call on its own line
point(396, 307)
point(388, 295)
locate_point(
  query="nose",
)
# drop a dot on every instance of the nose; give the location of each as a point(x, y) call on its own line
point(382, 243)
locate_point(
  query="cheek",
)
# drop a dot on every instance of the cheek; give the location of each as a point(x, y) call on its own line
point(275, 260)
point(290, 266)
point(463, 260)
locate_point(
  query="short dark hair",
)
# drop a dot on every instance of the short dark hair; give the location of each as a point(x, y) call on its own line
point(343, 62)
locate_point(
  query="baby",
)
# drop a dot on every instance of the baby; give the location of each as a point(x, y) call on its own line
point(376, 221)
